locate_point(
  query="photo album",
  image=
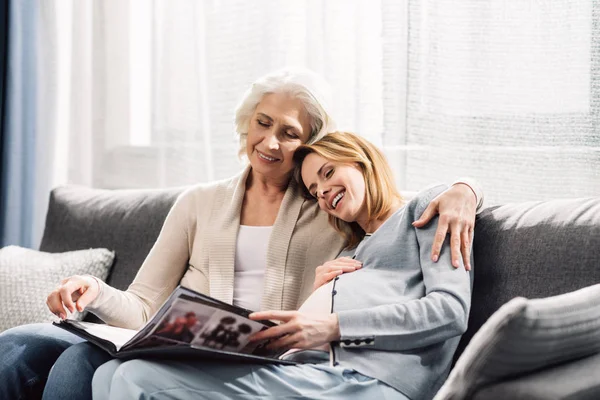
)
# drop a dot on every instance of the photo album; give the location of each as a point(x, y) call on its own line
point(188, 325)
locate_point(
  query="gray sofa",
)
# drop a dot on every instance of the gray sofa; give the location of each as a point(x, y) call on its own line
point(534, 249)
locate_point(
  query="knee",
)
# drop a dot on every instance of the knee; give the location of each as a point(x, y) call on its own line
point(134, 378)
point(131, 371)
point(102, 379)
point(30, 344)
point(81, 353)
point(118, 371)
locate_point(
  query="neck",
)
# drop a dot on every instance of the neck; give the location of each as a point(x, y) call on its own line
point(267, 185)
point(370, 226)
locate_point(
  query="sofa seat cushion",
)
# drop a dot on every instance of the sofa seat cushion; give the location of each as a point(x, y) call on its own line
point(524, 336)
point(28, 276)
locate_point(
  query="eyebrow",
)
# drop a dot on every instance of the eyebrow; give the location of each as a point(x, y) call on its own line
point(312, 185)
point(287, 126)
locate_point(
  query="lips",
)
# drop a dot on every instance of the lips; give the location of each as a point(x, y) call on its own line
point(335, 200)
point(265, 157)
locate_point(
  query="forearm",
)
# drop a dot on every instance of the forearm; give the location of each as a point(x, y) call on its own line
point(120, 308)
point(157, 278)
point(469, 182)
point(417, 323)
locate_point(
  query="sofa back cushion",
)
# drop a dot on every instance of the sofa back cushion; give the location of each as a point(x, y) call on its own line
point(533, 250)
point(125, 221)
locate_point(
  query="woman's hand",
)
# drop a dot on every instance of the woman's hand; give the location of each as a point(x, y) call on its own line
point(298, 330)
point(326, 272)
point(457, 207)
point(74, 294)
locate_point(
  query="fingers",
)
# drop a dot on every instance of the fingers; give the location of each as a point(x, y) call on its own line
point(86, 298)
point(326, 272)
point(274, 332)
point(343, 268)
point(440, 236)
point(455, 235)
point(470, 236)
point(271, 333)
point(457, 217)
point(466, 248)
point(87, 293)
point(282, 316)
point(430, 212)
point(344, 261)
point(322, 279)
point(65, 292)
point(55, 305)
point(286, 342)
point(63, 298)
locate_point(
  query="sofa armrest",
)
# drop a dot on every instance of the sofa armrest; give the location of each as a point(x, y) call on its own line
point(579, 379)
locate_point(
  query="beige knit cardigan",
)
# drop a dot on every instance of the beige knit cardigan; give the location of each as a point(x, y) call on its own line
point(196, 247)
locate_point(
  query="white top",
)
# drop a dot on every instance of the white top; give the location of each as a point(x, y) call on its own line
point(250, 265)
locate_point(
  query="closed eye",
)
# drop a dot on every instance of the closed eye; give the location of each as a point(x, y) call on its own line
point(261, 123)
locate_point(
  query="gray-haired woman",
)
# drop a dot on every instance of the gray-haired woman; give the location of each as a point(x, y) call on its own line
point(255, 228)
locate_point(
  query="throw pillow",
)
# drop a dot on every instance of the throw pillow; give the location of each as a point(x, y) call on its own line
point(524, 336)
point(27, 277)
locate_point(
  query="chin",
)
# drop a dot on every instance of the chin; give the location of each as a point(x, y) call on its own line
point(343, 218)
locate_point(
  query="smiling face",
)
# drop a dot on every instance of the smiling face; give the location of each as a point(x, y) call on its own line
point(278, 126)
point(339, 187)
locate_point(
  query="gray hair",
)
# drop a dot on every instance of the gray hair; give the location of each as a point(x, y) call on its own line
point(308, 87)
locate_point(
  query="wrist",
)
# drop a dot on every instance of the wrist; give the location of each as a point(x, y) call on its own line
point(474, 186)
point(467, 188)
point(94, 283)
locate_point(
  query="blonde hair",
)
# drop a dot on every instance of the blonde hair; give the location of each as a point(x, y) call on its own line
point(348, 148)
point(302, 84)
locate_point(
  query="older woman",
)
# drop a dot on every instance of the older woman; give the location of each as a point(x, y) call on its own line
point(251, 240)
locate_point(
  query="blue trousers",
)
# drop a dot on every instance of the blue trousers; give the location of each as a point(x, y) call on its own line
point(43, 361)
point(146, 379)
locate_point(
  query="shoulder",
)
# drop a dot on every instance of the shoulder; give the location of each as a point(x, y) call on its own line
point(205, 193)
point(419, 203)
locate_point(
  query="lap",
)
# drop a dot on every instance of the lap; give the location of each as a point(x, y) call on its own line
point(218, 380)
point(42, 333)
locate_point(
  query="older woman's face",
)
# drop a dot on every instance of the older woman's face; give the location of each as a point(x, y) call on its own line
point(279, 125)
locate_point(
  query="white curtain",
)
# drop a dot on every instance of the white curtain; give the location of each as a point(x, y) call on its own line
point(506, 92)
point(147, 89)
point(511, 91)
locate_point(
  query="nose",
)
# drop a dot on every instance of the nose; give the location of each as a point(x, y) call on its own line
point(321, 192)
point(271, 140)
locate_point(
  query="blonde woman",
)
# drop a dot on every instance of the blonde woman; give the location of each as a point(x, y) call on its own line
point(387, 330)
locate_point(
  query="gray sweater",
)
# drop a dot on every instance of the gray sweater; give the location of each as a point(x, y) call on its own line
point(401, 315)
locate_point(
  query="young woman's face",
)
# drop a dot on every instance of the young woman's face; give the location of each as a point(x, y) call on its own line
point(278, 126)
point(339, 188)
